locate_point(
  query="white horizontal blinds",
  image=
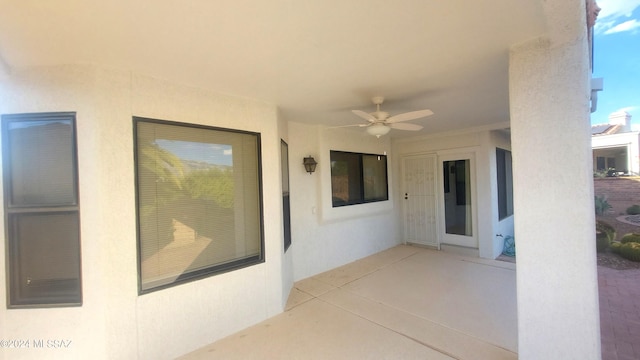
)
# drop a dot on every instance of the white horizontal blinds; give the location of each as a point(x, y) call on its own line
point(250, 225)
point(42, 166)
point(374, 176)
point(47, 257)
point(198, 196)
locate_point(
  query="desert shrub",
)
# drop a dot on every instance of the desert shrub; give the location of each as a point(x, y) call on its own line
point(633, 210)
point(599, 174)
point(605, 234)
point(603, 226)
point(630, 251)
point(631, 237)
point(615, 247)
point(602, 205)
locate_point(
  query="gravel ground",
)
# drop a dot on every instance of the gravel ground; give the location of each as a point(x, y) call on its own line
point(611, 260)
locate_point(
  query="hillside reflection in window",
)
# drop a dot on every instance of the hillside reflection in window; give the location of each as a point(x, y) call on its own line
point(198, 193)
point(358, 178)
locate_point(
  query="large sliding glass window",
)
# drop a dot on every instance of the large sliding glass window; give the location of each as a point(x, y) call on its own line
point(358, 178)
point(41, 210)
point(198, 201)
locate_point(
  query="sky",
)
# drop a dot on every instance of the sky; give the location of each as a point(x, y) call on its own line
point(617, 59)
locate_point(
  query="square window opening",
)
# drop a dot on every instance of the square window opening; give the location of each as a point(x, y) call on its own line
point(199, 204)
point(358, 178)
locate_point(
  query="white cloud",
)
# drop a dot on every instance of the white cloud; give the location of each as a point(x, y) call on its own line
point(614, 11)
point(625, 26)
point(617, 8)
point(628, 109)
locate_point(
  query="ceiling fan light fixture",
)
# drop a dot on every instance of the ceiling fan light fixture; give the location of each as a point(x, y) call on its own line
point(378, 130)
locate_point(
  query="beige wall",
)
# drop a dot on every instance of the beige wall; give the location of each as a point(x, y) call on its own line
point(325, 237)
point(114, 322)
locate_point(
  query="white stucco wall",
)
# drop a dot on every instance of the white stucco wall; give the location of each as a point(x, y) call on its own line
point(287, 258)
point(558, 313)
point(325, 237)
point(114, 322)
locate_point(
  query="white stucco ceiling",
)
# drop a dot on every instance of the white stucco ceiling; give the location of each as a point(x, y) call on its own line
point(315, 59)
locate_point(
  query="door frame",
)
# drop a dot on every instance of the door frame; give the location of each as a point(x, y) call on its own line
point(452, 239)
point(404, 190)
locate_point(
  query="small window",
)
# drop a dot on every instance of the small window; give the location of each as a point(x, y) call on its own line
point(505, 183)
point(41, 210)
point(286, 204)
point(198, 201)
point(358, 178)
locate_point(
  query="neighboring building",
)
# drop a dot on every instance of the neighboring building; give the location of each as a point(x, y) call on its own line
point(616, 148)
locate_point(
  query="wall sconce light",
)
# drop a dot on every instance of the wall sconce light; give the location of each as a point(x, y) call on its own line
point(309, 164)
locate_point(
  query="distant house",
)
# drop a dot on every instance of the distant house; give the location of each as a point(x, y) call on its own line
point(616, 148)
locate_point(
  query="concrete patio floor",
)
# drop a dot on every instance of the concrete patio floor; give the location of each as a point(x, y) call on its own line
point(403, 303)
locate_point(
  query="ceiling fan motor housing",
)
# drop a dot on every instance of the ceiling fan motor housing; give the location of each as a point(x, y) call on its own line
point(380, 115)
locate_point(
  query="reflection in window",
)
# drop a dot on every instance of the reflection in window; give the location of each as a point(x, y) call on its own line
point(457, 200)
point(198, 197)
point(358, 178)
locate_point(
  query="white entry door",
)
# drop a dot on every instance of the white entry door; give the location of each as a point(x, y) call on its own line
point(458, 206)
point(420, 199)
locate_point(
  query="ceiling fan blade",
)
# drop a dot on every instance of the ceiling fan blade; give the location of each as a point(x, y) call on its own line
point(370, 118)
point(409, 116)
point(410, 127)
point(343, 126)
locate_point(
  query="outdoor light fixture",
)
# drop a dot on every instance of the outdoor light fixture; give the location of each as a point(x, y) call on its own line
point(378, 130)
point(309, 164)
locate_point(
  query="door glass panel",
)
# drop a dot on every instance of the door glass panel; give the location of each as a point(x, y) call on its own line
point(457, 197)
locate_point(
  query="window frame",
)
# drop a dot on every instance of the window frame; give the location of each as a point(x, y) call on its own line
point(504, 180)
point(212, 270)
point(286, 195)
point(361, 198)
point(13, 211)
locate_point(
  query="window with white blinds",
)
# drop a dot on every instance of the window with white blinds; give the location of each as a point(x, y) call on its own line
point(198, 201)
point(41, 210)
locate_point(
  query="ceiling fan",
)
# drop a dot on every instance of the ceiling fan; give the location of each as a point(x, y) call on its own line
point(380, 123)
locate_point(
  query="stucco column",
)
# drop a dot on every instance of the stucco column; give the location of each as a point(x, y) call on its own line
point(558, 314)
